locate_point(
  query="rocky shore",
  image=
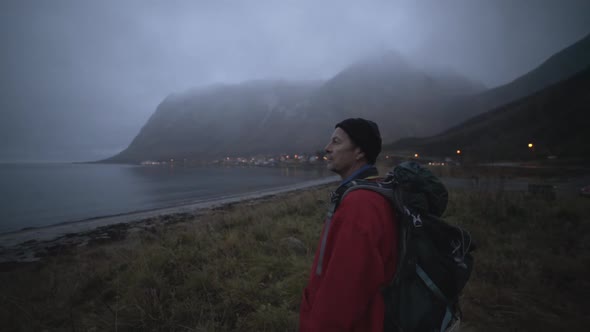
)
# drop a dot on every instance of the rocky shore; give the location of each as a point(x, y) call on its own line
point(33, 244)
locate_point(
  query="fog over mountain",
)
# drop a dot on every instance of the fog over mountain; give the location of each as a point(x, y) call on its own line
point(79, 79)
point(272, 117)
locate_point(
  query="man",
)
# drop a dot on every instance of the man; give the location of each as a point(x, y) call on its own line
point(357, 254)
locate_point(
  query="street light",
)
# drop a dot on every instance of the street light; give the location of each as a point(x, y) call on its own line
point(458, 151)
point(531, 145)
point(415, 155)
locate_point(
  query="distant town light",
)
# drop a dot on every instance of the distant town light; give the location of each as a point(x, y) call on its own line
point(325, 158)
point(531, 145)
point(458, 151)
point(416, 155)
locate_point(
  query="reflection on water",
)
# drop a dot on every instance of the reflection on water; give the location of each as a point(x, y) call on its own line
point(44, 194)
point(301, 171)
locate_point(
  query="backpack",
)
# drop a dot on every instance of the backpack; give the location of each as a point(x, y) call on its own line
point(434, 262)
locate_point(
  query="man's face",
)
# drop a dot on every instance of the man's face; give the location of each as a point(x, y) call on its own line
point(344, 157)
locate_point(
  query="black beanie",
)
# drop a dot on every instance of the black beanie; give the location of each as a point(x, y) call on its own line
point(365, 134)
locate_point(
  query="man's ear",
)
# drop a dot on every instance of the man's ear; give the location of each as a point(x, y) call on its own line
point(359, 154)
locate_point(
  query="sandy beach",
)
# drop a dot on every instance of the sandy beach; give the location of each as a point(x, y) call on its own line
point(32, 244)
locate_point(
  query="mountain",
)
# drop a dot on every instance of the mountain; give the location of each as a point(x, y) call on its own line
point(268, 117)
point(556, 120)
point(238, 119)
point(403, 99)
point(556, 68)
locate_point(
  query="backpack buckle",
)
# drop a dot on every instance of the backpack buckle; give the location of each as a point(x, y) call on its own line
point(458, 253)
point(334, 196)
point(416, 220)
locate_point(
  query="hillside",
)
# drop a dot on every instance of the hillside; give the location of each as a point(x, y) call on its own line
point(387, 88)
point(269, 117)
point(556, 68)
point(556, 120)
point(226, 119)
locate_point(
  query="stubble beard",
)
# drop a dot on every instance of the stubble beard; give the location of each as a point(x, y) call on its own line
point(333, 168)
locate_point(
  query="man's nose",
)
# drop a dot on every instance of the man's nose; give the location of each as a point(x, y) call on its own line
point(328, 148)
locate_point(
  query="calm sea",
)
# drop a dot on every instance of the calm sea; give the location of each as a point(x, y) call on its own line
point(33, 195)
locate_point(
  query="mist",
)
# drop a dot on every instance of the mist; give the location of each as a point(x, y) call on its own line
point(78, 79)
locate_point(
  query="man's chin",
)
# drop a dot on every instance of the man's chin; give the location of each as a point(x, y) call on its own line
point(331, 167)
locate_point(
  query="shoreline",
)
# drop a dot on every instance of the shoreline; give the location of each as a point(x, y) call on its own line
point(31, 244)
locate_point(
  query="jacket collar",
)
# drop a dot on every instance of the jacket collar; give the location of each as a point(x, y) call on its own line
point(362, 173)
point(367, 171)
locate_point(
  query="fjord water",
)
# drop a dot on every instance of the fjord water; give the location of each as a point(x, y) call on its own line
point(35, 195)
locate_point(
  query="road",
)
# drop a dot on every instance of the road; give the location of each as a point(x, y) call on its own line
point(562, 186)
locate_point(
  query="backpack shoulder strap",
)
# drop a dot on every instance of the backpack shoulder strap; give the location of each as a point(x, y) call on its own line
point(385, 189)
point(390, 191)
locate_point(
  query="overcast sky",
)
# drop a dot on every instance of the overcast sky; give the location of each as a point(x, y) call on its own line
point(79, 78)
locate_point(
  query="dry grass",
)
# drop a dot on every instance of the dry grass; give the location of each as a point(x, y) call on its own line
point(533, 262)
point(230, 270)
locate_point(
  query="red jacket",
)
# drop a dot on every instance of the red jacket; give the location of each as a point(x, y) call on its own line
point(360, 256)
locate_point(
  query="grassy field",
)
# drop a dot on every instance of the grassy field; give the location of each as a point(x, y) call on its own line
point(240, 269)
